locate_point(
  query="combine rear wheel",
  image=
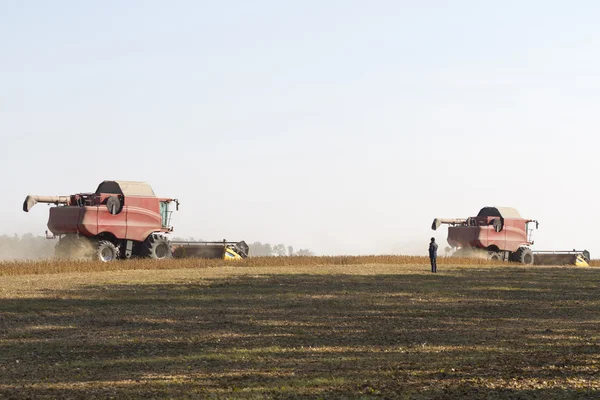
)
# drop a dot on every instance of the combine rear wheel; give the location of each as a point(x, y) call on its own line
point(524, 255)
point(494, 255)
point(156, 247)
point(107, 251)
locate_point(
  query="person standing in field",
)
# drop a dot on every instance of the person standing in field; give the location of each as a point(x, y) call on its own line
point(433, 255)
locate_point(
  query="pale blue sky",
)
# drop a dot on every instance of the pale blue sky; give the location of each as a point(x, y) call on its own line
point(341, 126)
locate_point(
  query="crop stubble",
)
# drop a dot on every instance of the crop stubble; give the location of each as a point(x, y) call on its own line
point(342, 327)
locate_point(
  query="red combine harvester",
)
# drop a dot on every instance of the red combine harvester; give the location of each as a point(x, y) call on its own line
point(121, 219)
point(501, 231)
point(504, 235)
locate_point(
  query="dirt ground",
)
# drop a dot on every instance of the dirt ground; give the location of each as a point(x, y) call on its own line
point(344, 331)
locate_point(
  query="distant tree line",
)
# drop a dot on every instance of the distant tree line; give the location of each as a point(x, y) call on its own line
point(258, 249)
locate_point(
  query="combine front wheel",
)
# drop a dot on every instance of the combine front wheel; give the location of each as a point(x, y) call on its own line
point(524, 255)
point(156, 247)
point(107, 251)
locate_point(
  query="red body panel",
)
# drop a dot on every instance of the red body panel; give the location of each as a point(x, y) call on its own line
point(143, 217)
point(516, 234)
point(481, 234)
point(115, 224)
point(139, 217)
point(65, 219)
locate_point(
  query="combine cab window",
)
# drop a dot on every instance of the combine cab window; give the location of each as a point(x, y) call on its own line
point(165, 214)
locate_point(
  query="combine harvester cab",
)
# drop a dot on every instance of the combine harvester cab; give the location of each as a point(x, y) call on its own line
point(500, 233)
point(121, 219)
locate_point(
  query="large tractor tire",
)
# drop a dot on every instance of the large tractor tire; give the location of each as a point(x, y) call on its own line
point(524, 255)
point(107, 251)
point(156, 247)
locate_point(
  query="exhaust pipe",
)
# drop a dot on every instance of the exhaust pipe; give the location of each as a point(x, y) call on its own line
point(449, 221)
point(31, 201)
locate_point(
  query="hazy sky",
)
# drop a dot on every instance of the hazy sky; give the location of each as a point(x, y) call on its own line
point(339, 126)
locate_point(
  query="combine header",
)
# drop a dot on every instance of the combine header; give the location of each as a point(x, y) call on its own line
point(225, 250)
point(504, 235)
point(122, 219)
point(580, 258)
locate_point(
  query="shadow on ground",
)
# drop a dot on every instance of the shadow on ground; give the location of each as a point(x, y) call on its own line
point(485, 333)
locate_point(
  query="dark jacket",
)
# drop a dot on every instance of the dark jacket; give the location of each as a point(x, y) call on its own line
point(433, 249)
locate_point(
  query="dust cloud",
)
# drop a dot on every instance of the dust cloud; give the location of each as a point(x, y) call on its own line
point(413, 248)
point(29, 247)
point(72, 247)
point(26, 247)
point(469, 253)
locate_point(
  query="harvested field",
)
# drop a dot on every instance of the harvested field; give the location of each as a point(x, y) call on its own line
point(53, 267)
point(299, 328)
